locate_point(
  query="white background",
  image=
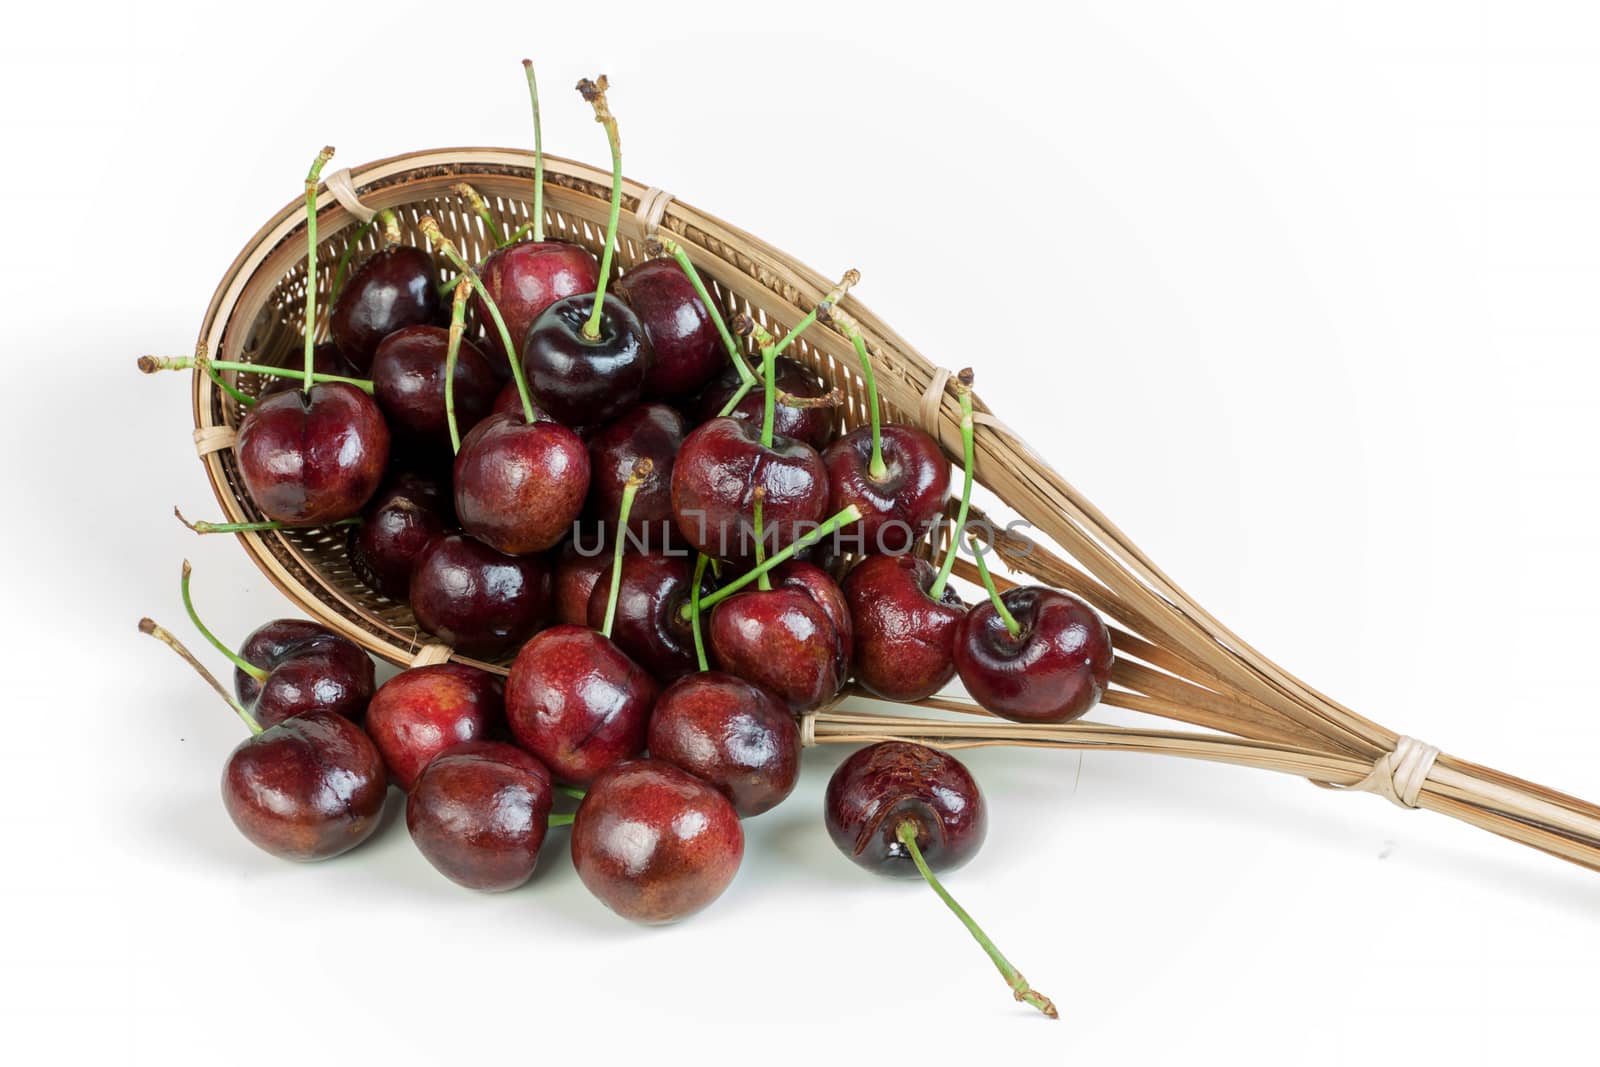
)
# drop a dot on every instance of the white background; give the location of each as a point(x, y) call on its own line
point(1302, 294)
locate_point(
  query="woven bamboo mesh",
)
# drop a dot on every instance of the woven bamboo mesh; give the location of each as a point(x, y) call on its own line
point(1174, 660)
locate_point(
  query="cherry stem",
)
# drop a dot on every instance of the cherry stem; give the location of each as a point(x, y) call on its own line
point(149, 626)
point(430, 229)
point(843, 518)
point(491, 228)
point(458, 323)
point(758, 498)
point(538, 155)
point(339, 269)
point(735, 352)
point(152, 364)
point(968, 460)
point(391, 225)
point(907, 833)
point(876, 469)
point(694, 611)
point(595, 93)
point(823, 309)
point(233, 657)
point(562, 819)
point(1006, 617)
point(310, 329)
point(221, 383)
point(630, 489)
point(571, 791)
point(203, 527)
point(769, 412)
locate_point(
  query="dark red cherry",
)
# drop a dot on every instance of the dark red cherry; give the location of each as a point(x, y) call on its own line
point(655, 843)
point(650, 431)
point(714, 480)
point(526, 278)
point(408, 383)
point(813, 425)
point(1054, 670)
point(584, 381)
point(311, 458)
point(734, 735)
point(904, 639)
point(308, 788)
point(401, 521)
point(419, 713)
point(309, 668)
point(394, 288)
point(793, 639)
point(688, 350)
point(519, 486)
point(883, 786)
point(578, 703)
point(649, 625)
point(481, 602)
point(479, 813)
point(579, 565)
point(898, 508)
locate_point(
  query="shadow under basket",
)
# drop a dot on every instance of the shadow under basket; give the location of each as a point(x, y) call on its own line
point(1174, 660)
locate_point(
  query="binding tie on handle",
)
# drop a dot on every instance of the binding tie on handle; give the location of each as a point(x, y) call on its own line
point(343, 188)
point(652, 209)
point(428, 655)
point(209, 439)
point(933, 399)
point(1398, 775)
point(808, 730)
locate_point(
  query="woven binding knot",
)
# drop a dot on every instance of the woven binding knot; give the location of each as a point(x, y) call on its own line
point(652, 209)
point(343, 188)
point(808, 730)
point(428, 655)
point(1399, 775)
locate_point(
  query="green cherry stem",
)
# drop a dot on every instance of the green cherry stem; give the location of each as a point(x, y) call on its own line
point(694, 611)
point(343, 265)
point(203, 527)
point(843, 518)
point(823, 309)
point(430, 229)
point(876, 468)
point(480, 208)
point(769, 411)
point(907, 833)
point(233, 657)
point(562, 819)
point(1006, 617)
point(153, 364)
point(310, 329)
point(458, 323)
point(735, 353)
point(595, 93)
point(538, 157)
point(221, 383)
point(149, 626)
point(572, 791)
point(968, 460)
point(758, 498)
point(630, 489)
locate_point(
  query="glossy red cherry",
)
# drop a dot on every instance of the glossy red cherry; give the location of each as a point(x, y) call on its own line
point(479, 813)
point(718, 469)
point(734, 735)
point(793, 639)
point(582, 380)
point(421, 712)
point(408, 383)
point(403, 519)
point(578, 703)
point(650, 626)
point(527, 277)
point(577, 572)
point(904, 639)
point(655, 843)
point(519, 486)
point(688, 351)
point(394, 288)
point(311, 458)
point(306, 667)
point(479, 601)
point(1052, 670)
point(650, 431)
point(882, 786)
point(898, 507)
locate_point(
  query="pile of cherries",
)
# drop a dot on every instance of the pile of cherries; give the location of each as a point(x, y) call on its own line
point(583, 472)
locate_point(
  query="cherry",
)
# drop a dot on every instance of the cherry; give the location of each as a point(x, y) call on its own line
point(906, 615)
point(310, 457)
point(308, 788)
point(394, 288)
point(1033, 655)
point(291, 666)
point(649, 626)
point(730, 733)
point(479, 813)
point(654, 842)
point(587, 356)
point(400, 522)
point(794, 639)
point(650, 431)
point(577, 575)
point(714, 479)
point(480, 601)
point(687, 349)
point(408, 378)
point(419, 713)
point(524, 278)
point(903, 809)
point(812, 424)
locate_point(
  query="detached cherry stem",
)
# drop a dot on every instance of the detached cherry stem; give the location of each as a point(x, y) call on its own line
point(843, 518)
point(203, 527)
point(538, 154)
point(237, 660)
point(313, 177)
point(595, 92)
point(735, 351)
point(430, 229)
point(968, 460)
point(1012, 627)
point(694, 611)
point(907, 834)
point(630, 489)
point(757, 499)
point(458, 323)
point(149, 626)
